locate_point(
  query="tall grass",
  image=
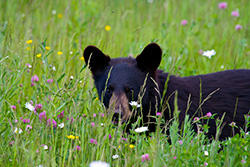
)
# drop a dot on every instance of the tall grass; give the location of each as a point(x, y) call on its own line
point(68, 27)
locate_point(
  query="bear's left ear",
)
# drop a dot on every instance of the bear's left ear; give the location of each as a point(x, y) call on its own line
point(150, 57)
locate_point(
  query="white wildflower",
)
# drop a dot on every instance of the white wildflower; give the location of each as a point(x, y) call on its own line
point(71, 52)
point(18, 130)
point(29, 106)
point(134, 104)
point(209, 53)
point(206, 153)
point(54, 68)
point(102, 124)
point(61, 125)
point(45, 147)
point(141, 129)
point(53, 12)
point(71, 77)
point(98, 164)
point(115, 156)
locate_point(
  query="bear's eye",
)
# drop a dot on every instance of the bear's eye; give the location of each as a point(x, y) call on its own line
point(109, 89)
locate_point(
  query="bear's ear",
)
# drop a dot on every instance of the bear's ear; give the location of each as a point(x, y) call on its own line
point(95, 59)
point(150, 57)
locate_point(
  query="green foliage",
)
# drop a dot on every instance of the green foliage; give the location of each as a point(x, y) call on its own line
point(68, 27)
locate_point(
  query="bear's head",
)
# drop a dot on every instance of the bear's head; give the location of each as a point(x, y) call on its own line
point(120, 81)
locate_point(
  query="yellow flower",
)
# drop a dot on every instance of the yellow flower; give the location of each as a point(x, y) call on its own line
point(29, 41)
point(119, 146)
point(39, 55)
point(126, 145)
point(72, 137)
point(59, 15)
point(131, 146)
point(59, 53)
point(82, 58)
point(107, 28)
point(28, 48)
point(47, 47)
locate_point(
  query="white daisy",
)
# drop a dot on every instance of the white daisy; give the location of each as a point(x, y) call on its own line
point(71, 77)
point(54, 68)
point(18, 130)
point(61, 125)
point(98, 164)
point(141, 129)
point(115, 156)
point(209, 53)
point(29, 106)
point(134, 104)
point(206, 153)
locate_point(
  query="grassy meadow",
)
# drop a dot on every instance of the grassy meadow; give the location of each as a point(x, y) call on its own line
point(50, 114)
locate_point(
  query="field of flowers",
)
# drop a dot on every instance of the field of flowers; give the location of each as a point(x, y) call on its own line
point(50, 114)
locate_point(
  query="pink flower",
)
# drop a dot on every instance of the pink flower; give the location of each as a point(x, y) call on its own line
point(209, 114)
point(50, 80)
point(123, 138)
point(42, 116)
point(102, 115)
point(94, 115)
point(16, 120)
point(26, 120)
point(32, 84)
point(110, 136)
point(196, 119)
point(21, 85)
point(93, 141)
point(28, 128)
point(11, 143)
point(34, 78)
point(243, 161)
point(235, 13)
point(13, 107)
point(78, 148)
point(84, 115)
point(238, 27)
point(175, 157)
point(38, 106)
point(222, 5)
point(53, 122)
point(200, 52)
point(61, 115)
point(205, 164)
point(180, 142)
point(92, 124)
point(184, 22)
point(145, 157)
point(158, 114)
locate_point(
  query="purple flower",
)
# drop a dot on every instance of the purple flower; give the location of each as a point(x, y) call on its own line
point(145, 157)
point(53, 122)
point(38, 106)
point(123, 138)
point(180, 142)
point(11, 143)
point(175, 157)
point(238, 27)
point(235, 13)
point(94, 115)
point(32, 84)
point(28, 128)
point(21, 85)
point(77, 148)
point(26, 120)
point(184, 22)
point(50, 80)
point(93, 141)
point(42, 116)
point(34, 78)
point(209, 114)
point(205, 164)
point(92, 124)
point(196, 119)
point(222, 5)
point(158, 114)
point(13, 107)
point(110, 136)
point(61, 115)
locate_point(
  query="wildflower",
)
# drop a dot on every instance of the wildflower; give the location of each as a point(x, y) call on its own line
point(29, 106)
point(206, 153)
point(235, 13)
point(61, 115)
point(94, 115)
point(134, 104)
point(28, 48)
point(26, 120)
point(107, 28)
point(13, 107)
point(209, 114)
point(34, 78)
point(93, 141)
point(158, 114)
point(42, 116)
point(39, 55)
point(16, 121)
point(47, 47)
point(98, 164)
point(209, 53)
point(205, 164)
point(70, 52)
point(222, 66)
point(11, 143)
point(200, 52)
point(78, 148)
point(38, 106)
point(32, 84)
point(175, 157)
point(238, 27)
point(110, 136)
point(45, 147)
point(115, 156)
point(222, 5)
point(59, 15)
point(53, 12)
point(196, 119)
point(53, 122)
point(145, 157)
point(141, 129)
point(54, 68)
point(18, 130)
point(29, 41)
point(102, 124)
point(72, 137)
point(82, 58)
point(92, 124)
point(243, 161)
point(232, 124)
point(49, 80)
point(28, 128)
point(28, 65)
point(131, 146)
point(59, 53)
point(61, 125)
point(180, 142)
point(184, 22)
point(71, 77)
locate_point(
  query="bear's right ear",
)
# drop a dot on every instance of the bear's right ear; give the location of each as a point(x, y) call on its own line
point(95, 58)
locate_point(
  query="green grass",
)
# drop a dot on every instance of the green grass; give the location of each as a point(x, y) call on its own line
point(134, 23)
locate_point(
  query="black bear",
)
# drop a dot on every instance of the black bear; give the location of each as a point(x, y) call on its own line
point(120, 81)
